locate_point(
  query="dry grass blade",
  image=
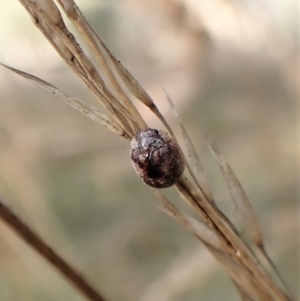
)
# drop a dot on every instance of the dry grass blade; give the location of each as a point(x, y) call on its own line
point(242, 204)
point(133, 85)
point(200, 230)
point(48, 253)
point(199, 174)
point(243, 295)
point(87, 32)
point(276, 271)
point(69, 49)
point(231, 241)
point(243, 279)
point(75, 103)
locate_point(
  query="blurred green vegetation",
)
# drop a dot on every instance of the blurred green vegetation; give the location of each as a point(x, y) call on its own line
point(230, 67)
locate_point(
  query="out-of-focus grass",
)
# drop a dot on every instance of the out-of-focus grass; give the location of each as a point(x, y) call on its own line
point(73, 181)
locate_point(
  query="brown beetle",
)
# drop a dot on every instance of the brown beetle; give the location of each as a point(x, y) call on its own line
point(156, 158)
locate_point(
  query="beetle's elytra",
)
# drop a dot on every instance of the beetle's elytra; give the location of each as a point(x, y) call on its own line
point(157, 158)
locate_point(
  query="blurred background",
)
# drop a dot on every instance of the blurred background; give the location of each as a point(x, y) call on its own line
point(228, 65)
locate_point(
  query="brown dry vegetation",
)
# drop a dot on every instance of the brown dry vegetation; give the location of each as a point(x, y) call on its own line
point(227, 66)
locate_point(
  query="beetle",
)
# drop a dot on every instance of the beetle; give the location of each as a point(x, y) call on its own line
point(157, 158)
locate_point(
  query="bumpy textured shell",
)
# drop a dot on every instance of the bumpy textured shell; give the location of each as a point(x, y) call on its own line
point(156, 158)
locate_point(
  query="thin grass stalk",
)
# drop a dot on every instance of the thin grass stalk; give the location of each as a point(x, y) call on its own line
point(48, 253)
